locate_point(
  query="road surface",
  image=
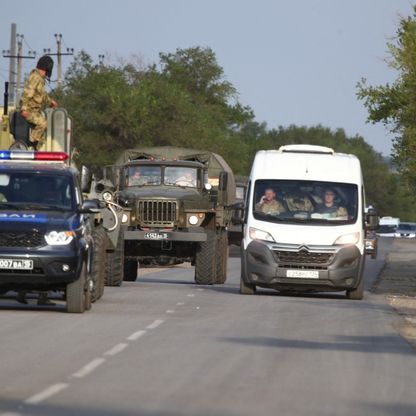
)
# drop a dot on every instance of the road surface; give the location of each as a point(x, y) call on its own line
point(164, 346)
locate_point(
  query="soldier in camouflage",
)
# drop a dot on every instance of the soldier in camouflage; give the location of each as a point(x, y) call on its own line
point(35, 98)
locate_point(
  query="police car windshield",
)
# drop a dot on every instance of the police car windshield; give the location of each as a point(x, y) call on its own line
point(36, 191)
point(309, 202)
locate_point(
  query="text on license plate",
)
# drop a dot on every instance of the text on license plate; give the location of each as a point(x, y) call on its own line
point(16, 264)
point(156, 236)
point(308, 274)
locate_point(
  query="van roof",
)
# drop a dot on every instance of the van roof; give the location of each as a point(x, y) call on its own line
point(306, 162)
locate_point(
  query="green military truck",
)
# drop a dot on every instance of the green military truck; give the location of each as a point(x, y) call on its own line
point(178, 203)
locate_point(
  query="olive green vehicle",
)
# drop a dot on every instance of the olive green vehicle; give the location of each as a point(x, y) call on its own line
point(235, 230)
point(178, 204)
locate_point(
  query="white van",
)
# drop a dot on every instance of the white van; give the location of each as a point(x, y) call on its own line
point(304, 224)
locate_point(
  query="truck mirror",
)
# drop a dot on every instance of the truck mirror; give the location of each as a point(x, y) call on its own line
point(86, 178)
point(223, 181)
point(371, 220)
point(90, 205)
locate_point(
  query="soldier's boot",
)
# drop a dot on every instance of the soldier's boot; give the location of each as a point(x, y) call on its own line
point(44, 301)
point(21, 297)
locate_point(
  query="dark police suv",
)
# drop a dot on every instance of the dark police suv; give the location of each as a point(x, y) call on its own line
point(45, 233)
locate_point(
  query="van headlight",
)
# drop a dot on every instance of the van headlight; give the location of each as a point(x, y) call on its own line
point(347, 239)
point(256, 234)
point(59, 238)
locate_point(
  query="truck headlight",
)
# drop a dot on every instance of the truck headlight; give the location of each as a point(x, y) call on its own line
point(347, 239)
point(256, 234)
point(59, 238)
point(193, 219)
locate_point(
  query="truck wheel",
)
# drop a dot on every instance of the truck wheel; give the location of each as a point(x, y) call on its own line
point(222, 250)
point(75, 293)
point(358, 292)
point(115, 263)
point(98, 267)
point(130, 270)
point(205, 264)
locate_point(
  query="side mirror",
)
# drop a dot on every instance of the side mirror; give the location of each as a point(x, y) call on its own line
point(86, 178)
point(90, 206)
point(223, 181)
point(371, 220)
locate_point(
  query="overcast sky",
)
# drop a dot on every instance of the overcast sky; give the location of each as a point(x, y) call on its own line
point(293, 61)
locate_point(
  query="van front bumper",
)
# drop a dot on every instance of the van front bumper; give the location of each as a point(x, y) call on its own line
point(315, 268)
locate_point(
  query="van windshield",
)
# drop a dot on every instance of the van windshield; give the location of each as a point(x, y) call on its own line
point(309, 202)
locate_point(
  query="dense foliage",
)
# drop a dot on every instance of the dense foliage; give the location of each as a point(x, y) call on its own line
point(185, 100)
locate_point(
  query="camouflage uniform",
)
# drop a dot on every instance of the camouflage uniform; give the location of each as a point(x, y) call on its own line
point(34, 99)
point(271, 208)
point(299, 203)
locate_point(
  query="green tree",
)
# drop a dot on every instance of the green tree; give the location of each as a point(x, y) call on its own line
point(394, 104)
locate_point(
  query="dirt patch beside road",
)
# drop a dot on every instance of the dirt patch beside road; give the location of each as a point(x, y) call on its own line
point(397, 281)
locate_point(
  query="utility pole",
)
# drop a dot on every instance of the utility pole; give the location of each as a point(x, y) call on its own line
point(59, 54)
point(19, 56)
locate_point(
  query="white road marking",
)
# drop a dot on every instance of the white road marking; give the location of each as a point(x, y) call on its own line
point(136, 335)
point(155, 324)
point(170, 311)
point(200, 290)
point(89, 368)
point(197, 307)
point(116, 349)
point(10, 414)
point(46, 394)
point(180, 304)
point(190, 295)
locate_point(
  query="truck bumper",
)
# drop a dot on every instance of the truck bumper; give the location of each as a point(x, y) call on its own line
point(313, 268)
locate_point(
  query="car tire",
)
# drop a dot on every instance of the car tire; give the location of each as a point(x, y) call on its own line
point(115, 263)
point(75, 293)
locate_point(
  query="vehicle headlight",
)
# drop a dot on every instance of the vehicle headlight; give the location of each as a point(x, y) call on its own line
point(59, 238)
point(124, 218)
point(256, 234)
point(349, 239)
point(193, 220)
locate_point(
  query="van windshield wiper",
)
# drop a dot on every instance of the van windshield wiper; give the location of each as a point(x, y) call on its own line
point(8, 205)
point(46, 207)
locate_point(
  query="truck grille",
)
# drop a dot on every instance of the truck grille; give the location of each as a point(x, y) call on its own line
point(21, 239)
point(157, 213)
point(303, 259)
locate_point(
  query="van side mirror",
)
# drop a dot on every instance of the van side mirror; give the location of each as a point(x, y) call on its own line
point(371, 220)
point(223, 181)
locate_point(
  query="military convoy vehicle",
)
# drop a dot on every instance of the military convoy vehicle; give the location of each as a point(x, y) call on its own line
point(56, 229)
point(235, 230)
point(178, 204)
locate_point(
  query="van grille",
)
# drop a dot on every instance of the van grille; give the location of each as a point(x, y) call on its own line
point(303, 259)
point(21, 239)
point(157, 213)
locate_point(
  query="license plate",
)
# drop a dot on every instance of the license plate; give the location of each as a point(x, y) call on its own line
point(16, 264)
point(308, 274)
point(156, 236)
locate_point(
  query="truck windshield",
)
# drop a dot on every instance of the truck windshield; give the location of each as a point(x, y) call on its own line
point(180, 176)
point(36, 190)
point(309, 202)
point(143, 175)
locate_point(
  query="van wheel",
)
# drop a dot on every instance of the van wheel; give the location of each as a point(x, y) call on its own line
point(222, 250)
point(205, 265)
point(115, 263)
point(358, 292)
point(130, 270)
point(75, 293)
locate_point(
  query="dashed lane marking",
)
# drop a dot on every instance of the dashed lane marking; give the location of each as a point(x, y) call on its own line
point(46, 394)
point(136, 335)
point(180, 304)
point(170, 311)
point(89, 368)
point(155, 324)
point(10, 414)
point(116, 349)
point(190, 295)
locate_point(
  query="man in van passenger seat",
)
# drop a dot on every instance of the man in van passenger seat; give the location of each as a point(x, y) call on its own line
point(268, 203)
point(330, 207)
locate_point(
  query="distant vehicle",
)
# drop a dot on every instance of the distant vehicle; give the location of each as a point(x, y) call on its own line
point(388, 226)
point(406, 230)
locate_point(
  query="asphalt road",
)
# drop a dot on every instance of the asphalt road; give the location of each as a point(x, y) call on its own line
point(164, 346)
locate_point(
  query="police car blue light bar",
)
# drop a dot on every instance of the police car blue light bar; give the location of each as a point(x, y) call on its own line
point(32, 155)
